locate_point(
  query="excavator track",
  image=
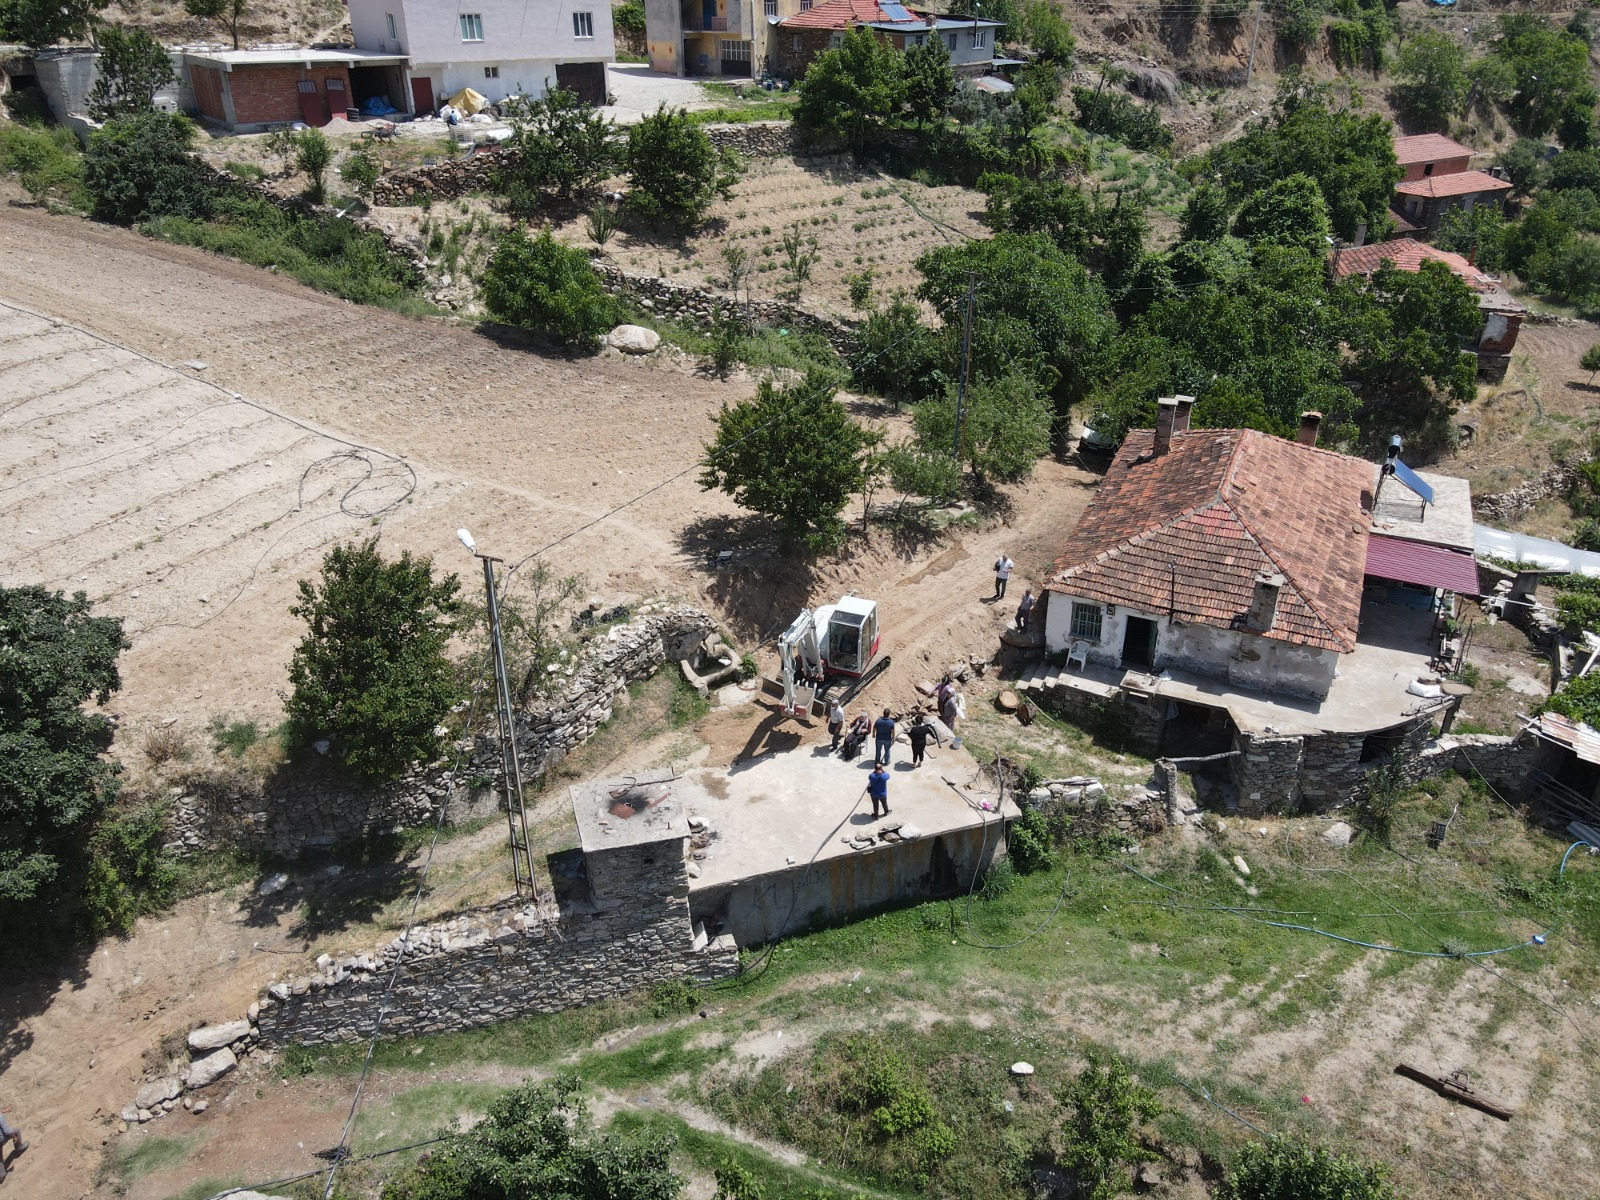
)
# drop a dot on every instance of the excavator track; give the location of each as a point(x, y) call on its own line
point(856, 686)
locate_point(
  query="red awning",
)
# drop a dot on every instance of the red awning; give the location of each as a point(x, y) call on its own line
point(1417, 562)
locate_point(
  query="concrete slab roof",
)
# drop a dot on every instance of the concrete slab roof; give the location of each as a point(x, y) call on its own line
point(230, 60)
point(629, 811)
point(1401, 513)
point(784, 809)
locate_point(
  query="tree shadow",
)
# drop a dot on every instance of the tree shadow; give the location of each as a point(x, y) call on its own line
point(351, 884)
point(760, 584)
point(31, 977)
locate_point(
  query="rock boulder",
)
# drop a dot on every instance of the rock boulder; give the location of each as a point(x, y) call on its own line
point(211, 1068)
point(152, 1094)
point(634, 339)
point(215, 1037)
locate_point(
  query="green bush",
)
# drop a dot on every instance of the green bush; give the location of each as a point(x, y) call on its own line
point(139, 167)
point(1117, 116)
point(539, 284)
point(129, 874)
point(1031, 846)
point(1285, 1169)
point(1103, 1139)
point(131, 66)
point(674, 172)
point(46, 162)
point(672, 998)
point(361, 170)
point(560, 147)
point(313, 154)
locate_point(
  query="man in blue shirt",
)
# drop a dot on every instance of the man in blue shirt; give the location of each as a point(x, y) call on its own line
point(878, 789)
point(883, 731)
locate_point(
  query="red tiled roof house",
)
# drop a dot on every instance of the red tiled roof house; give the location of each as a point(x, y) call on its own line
point(1223, 552)
point(1439, 178)
point(801, 37)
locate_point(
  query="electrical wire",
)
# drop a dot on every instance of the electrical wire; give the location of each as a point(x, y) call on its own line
point(288, 1179)
point(973, 939)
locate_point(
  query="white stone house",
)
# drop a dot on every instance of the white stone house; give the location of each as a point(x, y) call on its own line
point(495, 47)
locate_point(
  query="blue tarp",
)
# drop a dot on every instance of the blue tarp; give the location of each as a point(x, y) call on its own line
point(377, 106)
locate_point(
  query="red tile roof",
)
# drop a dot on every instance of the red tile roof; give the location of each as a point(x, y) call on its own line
point(1406, 255)
point(1458, 184)
point(838, 14)
point(1222, 506)
point(1428, 147)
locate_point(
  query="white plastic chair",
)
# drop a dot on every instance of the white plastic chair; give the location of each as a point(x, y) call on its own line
point(1078, 653)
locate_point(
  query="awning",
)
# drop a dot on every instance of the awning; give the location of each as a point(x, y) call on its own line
point(1417, 562)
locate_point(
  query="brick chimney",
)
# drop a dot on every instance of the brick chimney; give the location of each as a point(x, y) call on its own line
point(1310, 422)
point(1180, 419)
point(1166, 416)
point(1264, 607)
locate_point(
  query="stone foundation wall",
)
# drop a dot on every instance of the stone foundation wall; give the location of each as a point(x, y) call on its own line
point(1503, 506)
point(302, 811)
point(1124, 720)
point(1266, 771)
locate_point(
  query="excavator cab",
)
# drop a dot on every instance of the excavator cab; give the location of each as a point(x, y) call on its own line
point(852, 638)
point(828, 647)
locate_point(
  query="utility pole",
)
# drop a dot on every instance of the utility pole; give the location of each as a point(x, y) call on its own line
point(1254, 29)
point(966, 359)
point(510, 765)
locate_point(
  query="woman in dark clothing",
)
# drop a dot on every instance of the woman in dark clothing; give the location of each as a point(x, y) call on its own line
point(919, 733)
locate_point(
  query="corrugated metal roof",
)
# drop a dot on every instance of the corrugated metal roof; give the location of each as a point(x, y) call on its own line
point(1422, 564)
point(1575, 735)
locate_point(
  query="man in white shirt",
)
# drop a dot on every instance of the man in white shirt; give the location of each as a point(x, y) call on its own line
point(1003, 567)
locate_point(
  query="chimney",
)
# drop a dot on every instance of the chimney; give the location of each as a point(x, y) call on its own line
point(1180, 419)
point(1361, 234)
point(1264, 607)
point(1310, 422)
point(1166, 414)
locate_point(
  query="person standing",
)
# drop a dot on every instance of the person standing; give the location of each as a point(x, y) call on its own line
point(919, 733)
point(835, 725)
point(883, 732)
point(1003, 567)
point(878, 789)
point(1025, 610)
point(10, 1133)
point(950, 713)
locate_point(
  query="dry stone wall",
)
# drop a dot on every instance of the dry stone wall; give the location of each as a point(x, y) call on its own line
point(299, 812)
point(1504, 506)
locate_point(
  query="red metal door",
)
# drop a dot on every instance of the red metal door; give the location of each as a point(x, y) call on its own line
point(338, 98)
point(312, 109)
point(421, 95)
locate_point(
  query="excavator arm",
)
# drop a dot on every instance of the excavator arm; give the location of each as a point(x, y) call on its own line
point(798, 652)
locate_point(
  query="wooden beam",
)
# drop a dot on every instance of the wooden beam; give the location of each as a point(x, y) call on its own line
point(1454, 1089)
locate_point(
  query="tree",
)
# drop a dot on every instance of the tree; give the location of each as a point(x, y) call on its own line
point(229, 12)
point(1350, 156)
point(132, 66)
point(1285, 1169)
point(1525, 165)
point(559, 146)
point(1407, 350)
point(1049, 35)
point(675, 173)
point(1289, 212)
point(552, 289)
point(851, 90)
point(1590, 361)
point(1575, 169)
point(896, 354)
point(1432, 72)
point(1205, 216)
point(792, 454)
point(1491, 82)
point(55, 658)
point(371, 676)
point(935, 475)
point(1049, 206)
point(313, 154)
point(1551, 69)
point(140, 167)
point(41, 23)
point(1478, 233)
point(1005, 426)
point(539, 1140)
point(361, 170)
point(1103, 1141)
point(928, 81)
point(534, 601)
point(1297, 21)
point(1118, 116)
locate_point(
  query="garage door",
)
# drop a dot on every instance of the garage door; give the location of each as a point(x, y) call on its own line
point(588, 80)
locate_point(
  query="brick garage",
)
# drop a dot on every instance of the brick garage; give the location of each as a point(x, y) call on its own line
point(246, 89)
point(268, 95)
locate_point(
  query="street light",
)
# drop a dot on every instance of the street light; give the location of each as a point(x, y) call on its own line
point(510, 766)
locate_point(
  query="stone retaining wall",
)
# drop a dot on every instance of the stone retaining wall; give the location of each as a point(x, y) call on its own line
point(296, 812)
point(1124, 720)
point(1503, 506)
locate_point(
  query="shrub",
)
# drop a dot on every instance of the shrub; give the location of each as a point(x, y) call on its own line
point(361, 170)
point(140, 167)
point(1103, 1141)
point(1282, 1168)
point(131, 66)
point(129, 873)
point(672, 998)
point(164, 745)
point(371, 675)
point(541, 285)
point(46, 162)
point(313, 154)
point(560, 147)
point(1031, 848)
point(628, 17)
point(1118, 116)
point(674, 172)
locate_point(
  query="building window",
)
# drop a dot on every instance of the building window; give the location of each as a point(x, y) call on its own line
point(805, 5)
point(794, 42)
point(835, 40)
point(394, 36)
point(952, 41)
point(1086, 621)
point(771, 8)
point(980, 38)
point(472, 27)
point(582, 25)
point(491, 72)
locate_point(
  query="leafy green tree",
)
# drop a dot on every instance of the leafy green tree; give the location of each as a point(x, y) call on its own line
point(42, 23)
point(129, 873)
point(1432, 72)
point(1551, 69)
point(896, 355)
point(559, 147)
point(1034, 101)
point(1205, 216)
point(361, 170)
point(371, 675)
point(230, 12)
point(1005, 426)
point(674, 172)
point(1288, 212)
point(538, 1140)
point(55, 659)
point(1590, 361)
point(1349, 155)
point(1103, 1142)
point(1297, 21)
point(1118, 116)
point(140, 167)
point(132, 66)
point(539, 284)
point(851, 91)
point(933, 474)
point(1525, 166)
point(792, 454)
point(927, 80)
point(1407, 351)
point(1478, 233)
point(1049, 206)
point(1047, 33)
point(1036, 308)
point(1575, 169)
point(1576, 129)
point(1491, 82)
point(1282, 1168)
point(313, 155)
